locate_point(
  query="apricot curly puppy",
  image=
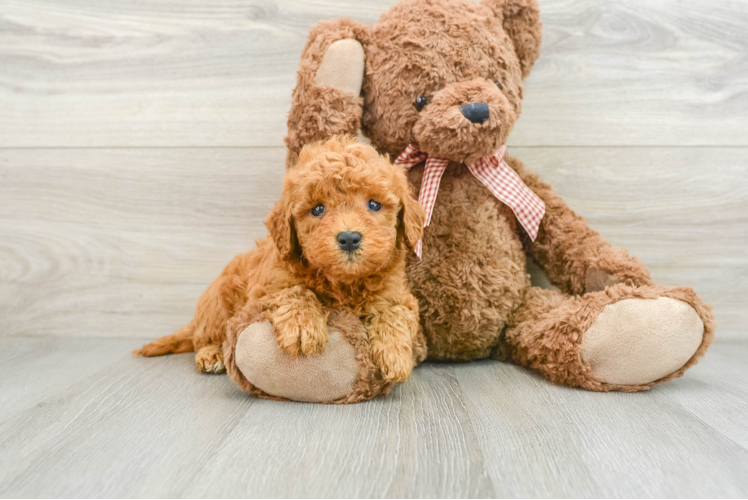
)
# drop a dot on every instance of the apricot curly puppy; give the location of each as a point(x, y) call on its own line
point(338, 239)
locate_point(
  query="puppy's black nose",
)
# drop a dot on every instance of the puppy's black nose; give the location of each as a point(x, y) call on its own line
point(349, 241)
point(476, 112)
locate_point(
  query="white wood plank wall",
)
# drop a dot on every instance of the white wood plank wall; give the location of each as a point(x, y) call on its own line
point(141, 144)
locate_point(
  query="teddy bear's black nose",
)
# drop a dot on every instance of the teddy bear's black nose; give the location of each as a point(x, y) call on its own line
point(476, 112)
point(349, 241)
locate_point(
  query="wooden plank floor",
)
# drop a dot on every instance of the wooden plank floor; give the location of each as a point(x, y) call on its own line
point(92, 421)
point(140, 146)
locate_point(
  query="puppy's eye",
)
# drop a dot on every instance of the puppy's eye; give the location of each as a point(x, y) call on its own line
point(374, 206)
point(318, 210)
point(498, 84)
point(421, 101)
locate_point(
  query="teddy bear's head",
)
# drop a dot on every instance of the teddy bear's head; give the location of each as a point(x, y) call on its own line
point(443, 75)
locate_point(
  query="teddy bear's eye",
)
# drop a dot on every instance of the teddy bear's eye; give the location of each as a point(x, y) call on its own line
point(374, 206)
point(318, 210)
point(498, 84)
point(421, 101)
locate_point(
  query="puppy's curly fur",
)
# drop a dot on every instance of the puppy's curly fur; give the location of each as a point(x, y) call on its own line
point(300, 271)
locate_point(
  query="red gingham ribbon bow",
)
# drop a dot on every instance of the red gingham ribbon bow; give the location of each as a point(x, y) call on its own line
point(492, 171)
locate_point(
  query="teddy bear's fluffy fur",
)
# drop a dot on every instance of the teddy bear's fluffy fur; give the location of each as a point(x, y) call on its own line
point(300, 273)
point(473, 290)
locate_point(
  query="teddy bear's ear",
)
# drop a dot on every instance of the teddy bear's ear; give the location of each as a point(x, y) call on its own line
point(521, 20)
point(327, 98)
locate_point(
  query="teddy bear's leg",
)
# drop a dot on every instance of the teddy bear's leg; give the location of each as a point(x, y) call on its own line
point(343, 373)
point(623, 338)
point(324, 377)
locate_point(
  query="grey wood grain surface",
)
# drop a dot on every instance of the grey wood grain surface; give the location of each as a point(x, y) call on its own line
point(155, 427)
point(191, 73)
point(31, 370)
point(121, 242)
point(614, 445)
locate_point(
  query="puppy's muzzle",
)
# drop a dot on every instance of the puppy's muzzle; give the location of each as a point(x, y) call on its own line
point(476, 112)
point(349, 240)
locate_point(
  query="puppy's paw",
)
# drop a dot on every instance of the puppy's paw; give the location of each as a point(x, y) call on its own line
point(209, 359)
point(395, 362)
point(301, 333)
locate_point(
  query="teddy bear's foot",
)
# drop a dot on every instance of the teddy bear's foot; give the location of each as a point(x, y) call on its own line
point(324, 377)
point(624, 338)
point(640, 341)
point(343, 373)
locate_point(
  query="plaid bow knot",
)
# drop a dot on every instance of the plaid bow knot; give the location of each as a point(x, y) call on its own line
point(492, 171)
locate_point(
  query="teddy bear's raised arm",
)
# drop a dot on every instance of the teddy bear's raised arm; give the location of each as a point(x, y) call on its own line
point(326, 100)
point(574, 257)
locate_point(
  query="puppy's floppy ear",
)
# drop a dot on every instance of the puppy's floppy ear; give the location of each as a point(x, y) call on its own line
point(411, 217)
point(521, 20)
point(327, 98)
point(281, 226)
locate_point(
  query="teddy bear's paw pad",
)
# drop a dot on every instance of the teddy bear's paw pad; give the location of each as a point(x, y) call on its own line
point(638, 341)
point(209, 359)
point(342, 66)
point(324, 377)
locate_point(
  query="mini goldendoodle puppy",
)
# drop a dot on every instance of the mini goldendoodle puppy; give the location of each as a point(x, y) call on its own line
point(339, 236)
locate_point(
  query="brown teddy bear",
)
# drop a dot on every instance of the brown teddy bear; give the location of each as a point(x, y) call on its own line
point(437, 84)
